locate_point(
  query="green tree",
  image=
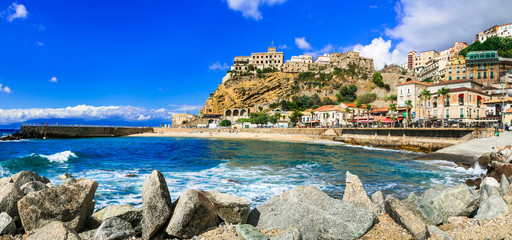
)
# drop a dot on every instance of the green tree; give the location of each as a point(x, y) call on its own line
point(348, 111)
point(368, 108)
point(425, 95)
point(225, 123)
point(392, 108)
point(250, 67)
point(408, 104)
point(367, 98)
point(358, 106)
point(296, 116)
point(259, 118)
point(444, 93)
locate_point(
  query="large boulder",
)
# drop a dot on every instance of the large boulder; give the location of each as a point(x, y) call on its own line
point(493, 182)
point(33, 186)
point(288, 234)
point(407, 218)
point(114, 228)
point(193, 214)
point(230, 208)
point(249, 232)
point(448, 202)
point(491, 203)
point(70, 203)
point(504, 184)
point(126, 212)
point(9, 197)
point(423, 209)
point(7, 225)
point(379, 202)
point(355, 193)
point(54, 231)
point(156, 204)
point(27, 176)
point(314, 213)
point(505, 169)
point(435, 231)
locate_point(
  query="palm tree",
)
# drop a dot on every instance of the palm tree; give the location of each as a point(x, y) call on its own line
point(368, 107)
point(408, 103)
point(327, 115)
point(425, 95)
point(392, 108)
point(348, 111)
point(443, 92)
point(358, 106)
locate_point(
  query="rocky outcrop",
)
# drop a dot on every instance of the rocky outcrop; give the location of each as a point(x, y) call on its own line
point(407, 218)
point(7, 225)
point(9, 197)
point(27, 176)
point(379, 202)
point(114, 228)
point(156, 204)
point(231, 209)
point(304, 207)
point(126, 212)
point(54, 231)
point(193, 214)
point(70, 203)
point(355, 193)
point(33, 186)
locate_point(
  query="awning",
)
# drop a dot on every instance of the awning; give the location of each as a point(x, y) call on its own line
point(486, 120)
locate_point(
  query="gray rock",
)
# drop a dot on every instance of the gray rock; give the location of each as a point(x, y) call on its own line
point(490, 181)
point(230, 208)
point(433, 230)
point(491, 207)
point(69, 203)
point(65, 176)
point(423, 209)
point(9, 197)
point(453, 201)
point(33, 186)
point(193, 214)
point(314, 213)
point(355, 193)
point(27, 176)
point(504, 184)
point(406, 218)
point(51, 185)
point(87, 235)
point(54, 231)
point(288, 234)
point(486, 191)
point(249, 232)
point(114, 228)
point(379, 202)
point(126, 212)
point(7, 225)
point(5, 180)
point(156, 204)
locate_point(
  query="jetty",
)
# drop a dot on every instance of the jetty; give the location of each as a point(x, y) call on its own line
point(39, 131)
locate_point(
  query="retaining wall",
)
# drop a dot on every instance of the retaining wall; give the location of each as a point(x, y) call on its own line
point(80, 132)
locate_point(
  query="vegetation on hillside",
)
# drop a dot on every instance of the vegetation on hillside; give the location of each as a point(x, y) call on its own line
point(502, 45)
point(377, 79)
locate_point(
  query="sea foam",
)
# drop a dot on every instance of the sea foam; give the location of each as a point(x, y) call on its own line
point(59, 157)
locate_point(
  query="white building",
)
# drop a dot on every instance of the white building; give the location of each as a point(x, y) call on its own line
point(323, 59)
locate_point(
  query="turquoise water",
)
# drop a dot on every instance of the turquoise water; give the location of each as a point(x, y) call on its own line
point(257, 170)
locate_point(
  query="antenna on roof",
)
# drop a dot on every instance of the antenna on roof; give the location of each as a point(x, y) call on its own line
point(272, 43)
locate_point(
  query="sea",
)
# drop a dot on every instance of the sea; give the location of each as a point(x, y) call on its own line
point(253, 169)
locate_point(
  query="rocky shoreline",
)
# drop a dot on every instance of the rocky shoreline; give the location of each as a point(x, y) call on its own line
point(31, 207)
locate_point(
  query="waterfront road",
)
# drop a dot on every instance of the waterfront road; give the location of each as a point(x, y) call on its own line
point(477, 147)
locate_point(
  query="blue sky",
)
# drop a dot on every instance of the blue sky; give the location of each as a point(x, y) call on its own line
point(167, 56)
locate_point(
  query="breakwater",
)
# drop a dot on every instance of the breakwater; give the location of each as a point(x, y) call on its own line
point(78, 131)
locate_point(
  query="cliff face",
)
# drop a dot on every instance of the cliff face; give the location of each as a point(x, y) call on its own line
point(249, 91)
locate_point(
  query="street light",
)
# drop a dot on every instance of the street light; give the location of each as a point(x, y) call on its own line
point(503, 106)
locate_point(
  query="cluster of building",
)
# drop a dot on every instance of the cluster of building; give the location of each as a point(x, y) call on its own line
point(301, 63)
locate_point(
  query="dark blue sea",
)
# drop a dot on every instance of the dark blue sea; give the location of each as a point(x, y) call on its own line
point(256, 170)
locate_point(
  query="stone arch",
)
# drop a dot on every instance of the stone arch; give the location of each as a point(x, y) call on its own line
point(409, 79)
point(210, 121)
point(235, 113)
point(228, 113)
point(243, 112)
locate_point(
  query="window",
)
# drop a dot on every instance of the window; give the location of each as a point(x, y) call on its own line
point(458, 77)
point(485, 75)
point(477, 113)
point(408, 90)
point(450, 78)
point(470, 97)
point(462, 113)
point(479, 76)
point(463, 76)
point(492, 74)
point(447, 113)
point(469, 113)
point(471, 75)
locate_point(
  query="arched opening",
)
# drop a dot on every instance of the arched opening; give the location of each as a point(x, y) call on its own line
point(409, 79)
point(210, 121)
point(235, 113)
point(228, 113)
point(243, 112)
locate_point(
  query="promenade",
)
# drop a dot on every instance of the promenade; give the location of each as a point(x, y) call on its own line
point(477, 147)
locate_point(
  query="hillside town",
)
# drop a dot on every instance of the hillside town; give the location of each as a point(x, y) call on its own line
point(465, 85)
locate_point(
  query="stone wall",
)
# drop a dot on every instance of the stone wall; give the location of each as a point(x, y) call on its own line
point(80, 132)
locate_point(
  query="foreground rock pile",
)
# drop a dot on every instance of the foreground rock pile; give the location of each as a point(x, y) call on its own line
point(33, 208)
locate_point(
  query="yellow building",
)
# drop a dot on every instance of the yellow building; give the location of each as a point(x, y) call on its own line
point(456, 69)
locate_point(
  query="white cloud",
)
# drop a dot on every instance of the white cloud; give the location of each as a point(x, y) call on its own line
point(5, 89)
point(284, 46)
point(126, 113)
point(16, 11)
point(40, 43)
point(302, 43)
point(380, 51)
point(218, 66)
point(435, 25)
point(53, 79)
point(329, 48)
point(250, 8)
point(185, 108)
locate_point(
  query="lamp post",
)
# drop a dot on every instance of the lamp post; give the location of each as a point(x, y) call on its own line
point(503, 106)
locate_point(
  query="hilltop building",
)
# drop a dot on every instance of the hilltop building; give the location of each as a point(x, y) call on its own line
point(487, 68)
point(456, 69)
point(323, 59)
point(298, 64)
point(504, 30)
point(269, 59)
point(180, 119)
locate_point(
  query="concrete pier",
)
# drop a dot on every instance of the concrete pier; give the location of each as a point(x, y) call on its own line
point(79, 131)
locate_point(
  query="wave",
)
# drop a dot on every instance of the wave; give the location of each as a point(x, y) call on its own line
point(39, 160)
point(475, 170)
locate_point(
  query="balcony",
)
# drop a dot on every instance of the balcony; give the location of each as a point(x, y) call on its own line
point(434, 105)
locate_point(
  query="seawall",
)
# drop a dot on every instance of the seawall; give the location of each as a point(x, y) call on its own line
point(71, 131)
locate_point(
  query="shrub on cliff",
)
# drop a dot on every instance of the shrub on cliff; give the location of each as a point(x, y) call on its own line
point(225, 123)
point(367, 98)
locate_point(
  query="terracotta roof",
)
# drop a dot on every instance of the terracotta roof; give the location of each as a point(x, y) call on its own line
point(415, 82)
point(353, 105)
point(323, 108)
point(462, 89)
point(509, 110)
point(457, 81)
point(384, 109)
